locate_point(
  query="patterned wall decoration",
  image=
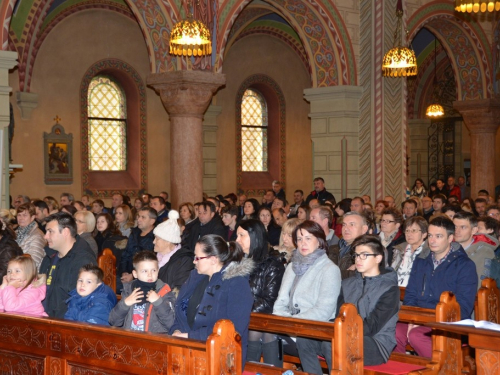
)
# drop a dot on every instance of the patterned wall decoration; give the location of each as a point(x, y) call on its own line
point(496, 59)
point(268, 81)
point(6, 9)
point(467, 46)
point(95, 69)
point(333, 64)
point(25, 83)
point(372, 28)
point(278, 31)
point(247, 16)
point(394, 120)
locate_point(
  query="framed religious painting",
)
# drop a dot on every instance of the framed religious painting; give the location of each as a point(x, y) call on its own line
point(58, 156)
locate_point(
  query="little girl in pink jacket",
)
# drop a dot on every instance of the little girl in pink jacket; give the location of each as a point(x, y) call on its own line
point(22, 290)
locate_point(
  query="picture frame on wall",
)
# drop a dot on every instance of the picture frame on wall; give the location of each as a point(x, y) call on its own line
point(58, 156)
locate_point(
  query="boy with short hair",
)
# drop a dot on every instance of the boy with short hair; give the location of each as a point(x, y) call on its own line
point(147, 303)
point(92, 300)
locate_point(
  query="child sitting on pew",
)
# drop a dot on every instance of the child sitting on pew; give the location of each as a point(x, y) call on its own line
point(22, 290)
point(147, 304)
point(92, 300)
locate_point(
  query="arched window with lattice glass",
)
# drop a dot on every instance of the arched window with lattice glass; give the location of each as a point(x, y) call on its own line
point(253, 132)
point(107, 116)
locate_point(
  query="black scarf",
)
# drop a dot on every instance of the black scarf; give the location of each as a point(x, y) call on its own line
point(145, 289)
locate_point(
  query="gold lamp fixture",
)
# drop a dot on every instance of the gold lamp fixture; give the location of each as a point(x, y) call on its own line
point(476, 6)
point(435, 110)
point(400, 61)
point(190, 37)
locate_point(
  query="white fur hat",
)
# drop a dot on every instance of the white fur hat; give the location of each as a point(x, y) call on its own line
point(169, 230)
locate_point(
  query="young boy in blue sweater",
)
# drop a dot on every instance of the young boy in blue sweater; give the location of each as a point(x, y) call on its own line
point(92, 300)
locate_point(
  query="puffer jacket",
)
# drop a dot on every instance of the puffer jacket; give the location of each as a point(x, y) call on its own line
point(94, 308)
point(158, 316)
point(377, 301)
point(456, 274)
point(265, 283)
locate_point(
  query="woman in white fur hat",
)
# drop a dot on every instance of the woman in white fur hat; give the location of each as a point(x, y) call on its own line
point(175, 263)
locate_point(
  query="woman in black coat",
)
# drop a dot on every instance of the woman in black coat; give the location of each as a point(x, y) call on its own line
point(9, 248)
point(265, 282)
point(175, 262)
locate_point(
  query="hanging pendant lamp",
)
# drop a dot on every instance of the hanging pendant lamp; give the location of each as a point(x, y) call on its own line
point(190, 37)
point(399, 61)
point(435, 110)
point(476, 6)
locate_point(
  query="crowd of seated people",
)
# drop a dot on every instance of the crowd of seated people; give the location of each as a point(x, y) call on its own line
point(180, 270)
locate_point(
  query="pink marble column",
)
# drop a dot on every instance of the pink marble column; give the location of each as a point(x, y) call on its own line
point(186, 95)
point(482, 118)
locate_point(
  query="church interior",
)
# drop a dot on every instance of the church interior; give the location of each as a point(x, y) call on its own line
point(316, 64)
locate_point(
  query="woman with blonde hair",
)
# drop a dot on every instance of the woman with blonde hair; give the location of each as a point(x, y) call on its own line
point(186, 212)
point(286, 247)
point(124, 220)
point(52, 203)
point(85, 225)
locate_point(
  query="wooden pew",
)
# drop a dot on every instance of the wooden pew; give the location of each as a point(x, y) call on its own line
point(107, 262)
point(487, 305)
point(447, 355)
point(346, 335)
point(49, 346)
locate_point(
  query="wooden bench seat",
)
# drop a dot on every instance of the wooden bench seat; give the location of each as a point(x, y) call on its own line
point(50, 346)
point(345, 333)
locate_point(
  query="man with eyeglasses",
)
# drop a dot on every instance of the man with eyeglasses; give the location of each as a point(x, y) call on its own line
point(494, 212)
point(354, 225)
point(405, 253)
point(446, 267)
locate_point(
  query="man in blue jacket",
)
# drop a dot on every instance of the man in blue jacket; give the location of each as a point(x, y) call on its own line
point(445, 267)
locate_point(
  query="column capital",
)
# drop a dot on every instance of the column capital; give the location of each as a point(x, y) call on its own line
point(480, 116)
point(186, 93)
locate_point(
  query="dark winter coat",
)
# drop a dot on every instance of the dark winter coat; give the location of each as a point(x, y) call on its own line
point(457, 274)
point(265, 283)
point(8, 249)
point(64, 276)
point(176, 271)
point(227, 296)
point(158, 316)
point(94, 308)
point(322, 196)
point(135, 243)
point(377, 301)
point(197, 231)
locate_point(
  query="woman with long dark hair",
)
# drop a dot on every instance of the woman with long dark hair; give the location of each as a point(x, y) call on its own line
point(265, 282)
point(216, 289)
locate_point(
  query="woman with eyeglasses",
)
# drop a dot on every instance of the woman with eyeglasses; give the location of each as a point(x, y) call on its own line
point(404, 254)
point(309, 289)
point(216, 289)
point(390, 231)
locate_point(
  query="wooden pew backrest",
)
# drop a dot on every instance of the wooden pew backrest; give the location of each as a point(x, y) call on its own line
point(107, 262)
point(487, 302)
point(51, 346)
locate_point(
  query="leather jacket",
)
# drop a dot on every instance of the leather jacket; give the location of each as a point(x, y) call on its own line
point(265, 283)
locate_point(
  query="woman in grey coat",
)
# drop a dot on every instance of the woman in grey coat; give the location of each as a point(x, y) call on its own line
point(310, 285)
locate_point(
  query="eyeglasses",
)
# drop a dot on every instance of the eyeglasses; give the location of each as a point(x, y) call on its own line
point(412, 231)
point(387, 221)
point(200, 258)
point(362, 256)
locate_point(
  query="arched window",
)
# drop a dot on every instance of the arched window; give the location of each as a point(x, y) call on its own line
point(253, 132)
point(260, 136)
point(107, 125)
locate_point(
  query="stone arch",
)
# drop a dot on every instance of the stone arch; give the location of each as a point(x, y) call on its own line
point(465, 43)
point(321, 30)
